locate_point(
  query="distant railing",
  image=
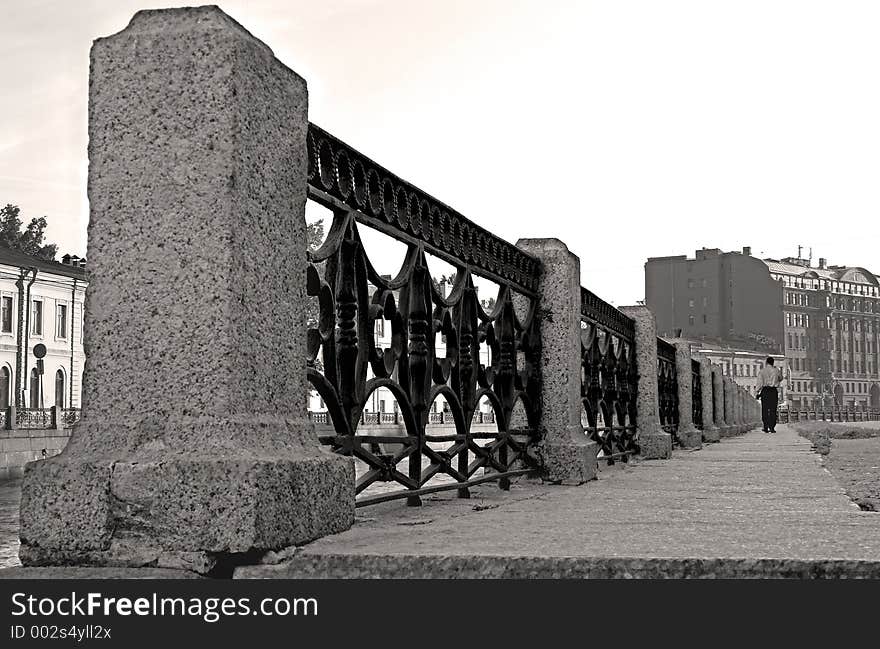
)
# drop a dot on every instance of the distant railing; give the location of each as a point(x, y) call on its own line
point(38, 418)
point(853, 414)
point(396, 418)
point(608, 378)
point(667, 387)
point(69, 416)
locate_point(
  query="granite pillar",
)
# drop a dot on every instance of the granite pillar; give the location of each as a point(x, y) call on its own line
point(654, 442)
point(566, 455)
point(688, 434)
point(710, 430)
point(194, 445)
point(737, 407)
point(728, 406)
point(718, 395)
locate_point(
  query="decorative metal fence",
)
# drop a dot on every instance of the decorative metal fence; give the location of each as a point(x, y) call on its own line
point(786, 416)
point(697, 394)
point(38, 418)
point(608, 377)
point(667, 387)
point(352, 296)
point(69, 416)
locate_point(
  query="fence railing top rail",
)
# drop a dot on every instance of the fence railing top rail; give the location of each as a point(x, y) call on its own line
point(665, 350)
point(394, 206)
point(598, 311)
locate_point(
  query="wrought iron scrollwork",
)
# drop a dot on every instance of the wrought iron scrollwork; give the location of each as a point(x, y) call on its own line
point(352, 296)
point(609, 378)
point(667, 387)
point(697, 394)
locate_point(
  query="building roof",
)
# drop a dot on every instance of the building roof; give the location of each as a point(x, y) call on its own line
point(855, 274)
point(13, 257)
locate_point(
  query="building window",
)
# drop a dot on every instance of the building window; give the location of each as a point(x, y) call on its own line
point(691, 303)
point(690, 320)
point(705, 319)
point(6, 315)
point(37, 317)
point(61, 318)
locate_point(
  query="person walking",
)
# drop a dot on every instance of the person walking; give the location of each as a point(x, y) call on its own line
point(769, 379)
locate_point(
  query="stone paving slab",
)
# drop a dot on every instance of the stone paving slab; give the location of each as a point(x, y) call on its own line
point(758, 505)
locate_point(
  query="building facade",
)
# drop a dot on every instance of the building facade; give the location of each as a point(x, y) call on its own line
point(725, 298)
point(832, 323)
point(41, 303)
point(824, 320)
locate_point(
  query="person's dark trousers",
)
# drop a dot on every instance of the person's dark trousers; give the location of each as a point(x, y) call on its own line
point(769, 402)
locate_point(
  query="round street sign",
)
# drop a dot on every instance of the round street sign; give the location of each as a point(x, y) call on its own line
point(39, 350)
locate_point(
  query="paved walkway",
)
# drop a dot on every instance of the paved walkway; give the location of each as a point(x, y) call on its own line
point(755, 505)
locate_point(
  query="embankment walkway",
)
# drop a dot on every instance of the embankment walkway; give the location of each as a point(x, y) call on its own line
point(758, 505)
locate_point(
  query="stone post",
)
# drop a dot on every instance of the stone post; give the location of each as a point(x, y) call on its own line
point(728, 406)
point(718, 383)
point(566, 454)
point(654, 442)
point(737, 407)
point(710, 430)
point(688, 435)
point(194, 443)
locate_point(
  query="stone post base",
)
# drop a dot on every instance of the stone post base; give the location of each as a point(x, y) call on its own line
point(711, 435)
point(188, 510)
point(569, 463)
point(690, 438)
point(655, 445)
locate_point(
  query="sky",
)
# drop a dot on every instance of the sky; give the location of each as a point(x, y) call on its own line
point(627, 129)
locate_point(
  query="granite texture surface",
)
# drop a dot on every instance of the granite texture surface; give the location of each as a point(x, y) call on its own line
point(710, 430)
point(193, 436)
point(566, 454)
point(755, 505)
point(688, 435)
point(654, 442)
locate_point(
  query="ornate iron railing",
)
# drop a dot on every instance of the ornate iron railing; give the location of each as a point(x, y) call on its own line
point(785, 416)
point(352, 295)
point(697, 394)
point(608, 378)
point(397, 418)
point(37, 418)
point(667, 387)
point(69, 417)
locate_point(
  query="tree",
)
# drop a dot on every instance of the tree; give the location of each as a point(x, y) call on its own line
point(31, 240)
point(315, 234)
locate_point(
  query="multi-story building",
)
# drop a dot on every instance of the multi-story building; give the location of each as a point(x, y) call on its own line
point(41, 303)
point(726, 298)
point(824, 319)
point(832, 323)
